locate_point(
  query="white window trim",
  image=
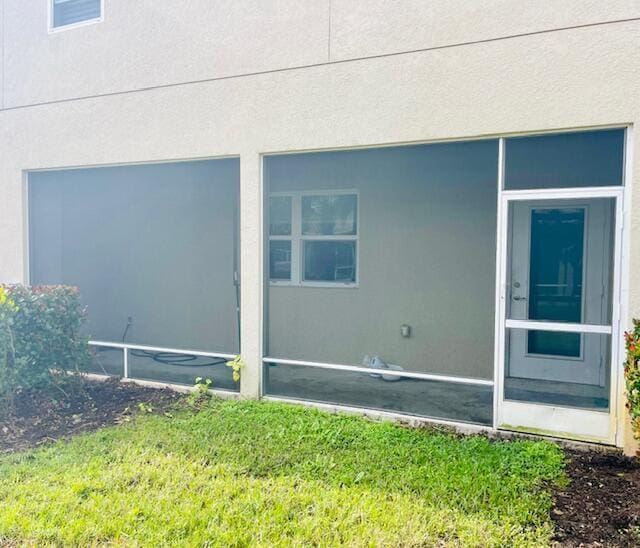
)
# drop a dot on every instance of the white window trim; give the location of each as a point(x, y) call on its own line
point(70, 26)
point(297, 239)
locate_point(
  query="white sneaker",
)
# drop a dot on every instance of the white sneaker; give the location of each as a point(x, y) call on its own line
point(368, 362)
point(392, 378)
point(378, 363)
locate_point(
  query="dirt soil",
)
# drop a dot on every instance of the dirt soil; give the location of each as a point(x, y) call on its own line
point(601, 506)
point(43, 418)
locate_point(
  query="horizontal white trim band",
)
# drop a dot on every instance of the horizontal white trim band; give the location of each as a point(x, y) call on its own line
point(558, 326)
point(564, 193)
point(369, 370)
point(127, 346)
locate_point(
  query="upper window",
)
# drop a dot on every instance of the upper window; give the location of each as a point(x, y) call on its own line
point(313, 238)
point(65, 13)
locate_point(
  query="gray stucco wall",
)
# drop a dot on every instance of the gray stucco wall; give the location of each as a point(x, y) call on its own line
point(427, 258)
point(154, 242)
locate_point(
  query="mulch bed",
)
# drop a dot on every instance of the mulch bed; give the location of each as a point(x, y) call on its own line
point(601, 506)
point(43, 418)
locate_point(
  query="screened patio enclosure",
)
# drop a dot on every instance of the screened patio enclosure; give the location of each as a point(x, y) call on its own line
point(471, 281)
point(153, 250)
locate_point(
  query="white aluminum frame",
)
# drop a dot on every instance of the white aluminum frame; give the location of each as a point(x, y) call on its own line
point(567, 422)
point(53, 30)
point(297, 239)
point(564, 327)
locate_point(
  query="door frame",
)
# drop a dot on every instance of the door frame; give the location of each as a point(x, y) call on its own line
point(580, 424)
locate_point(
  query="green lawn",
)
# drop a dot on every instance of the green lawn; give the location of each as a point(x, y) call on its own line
point(265, 474)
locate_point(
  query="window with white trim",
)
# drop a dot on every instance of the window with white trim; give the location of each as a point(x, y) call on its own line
point(65, 13)
point(313, 238)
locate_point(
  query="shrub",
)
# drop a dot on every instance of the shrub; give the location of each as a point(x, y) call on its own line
point(40, 338)
point(7, 347)
point(632, 375)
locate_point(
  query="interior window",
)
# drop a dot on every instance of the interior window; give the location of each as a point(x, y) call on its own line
point(329, 261)
point(329, 215)
point(280, 238)
point(313, 238)
point(280, 216)
point(555, 277)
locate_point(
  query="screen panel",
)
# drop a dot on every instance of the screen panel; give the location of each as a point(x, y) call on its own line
point(410, 231)
point(176, 368)
point(565, 160)
point(152, 249)
point(435, 399)
point(579, 380)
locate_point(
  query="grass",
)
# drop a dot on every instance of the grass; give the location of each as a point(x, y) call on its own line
point(266, 474)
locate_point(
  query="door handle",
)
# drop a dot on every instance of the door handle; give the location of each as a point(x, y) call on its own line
point(518, 298)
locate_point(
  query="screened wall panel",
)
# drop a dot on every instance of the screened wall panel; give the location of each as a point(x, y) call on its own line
point(407, 237)
point(181, 369)
point(107, 361)
point(580, 380)
point(565, 160)
point(434, 399)
point(152, 248)
point(560, 260)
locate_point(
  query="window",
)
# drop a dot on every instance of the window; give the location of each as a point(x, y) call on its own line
point(65, 13)
point(280, 238)
point(313, 238)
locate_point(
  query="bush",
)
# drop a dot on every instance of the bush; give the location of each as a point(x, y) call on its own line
point(7, 347)
point(40, 340)
point(632, 375)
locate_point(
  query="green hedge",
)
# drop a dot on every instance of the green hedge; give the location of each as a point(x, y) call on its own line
point(632, 375)
point(40, 337)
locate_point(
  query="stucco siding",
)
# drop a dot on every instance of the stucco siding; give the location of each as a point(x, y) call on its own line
point(146, 44)
point(378, 27)
point(149, 43)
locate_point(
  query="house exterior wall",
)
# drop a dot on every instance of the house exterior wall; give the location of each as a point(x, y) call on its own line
point(145, 43)
point(308, 84)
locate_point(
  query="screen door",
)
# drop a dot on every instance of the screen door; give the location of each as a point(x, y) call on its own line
point(558, 290)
